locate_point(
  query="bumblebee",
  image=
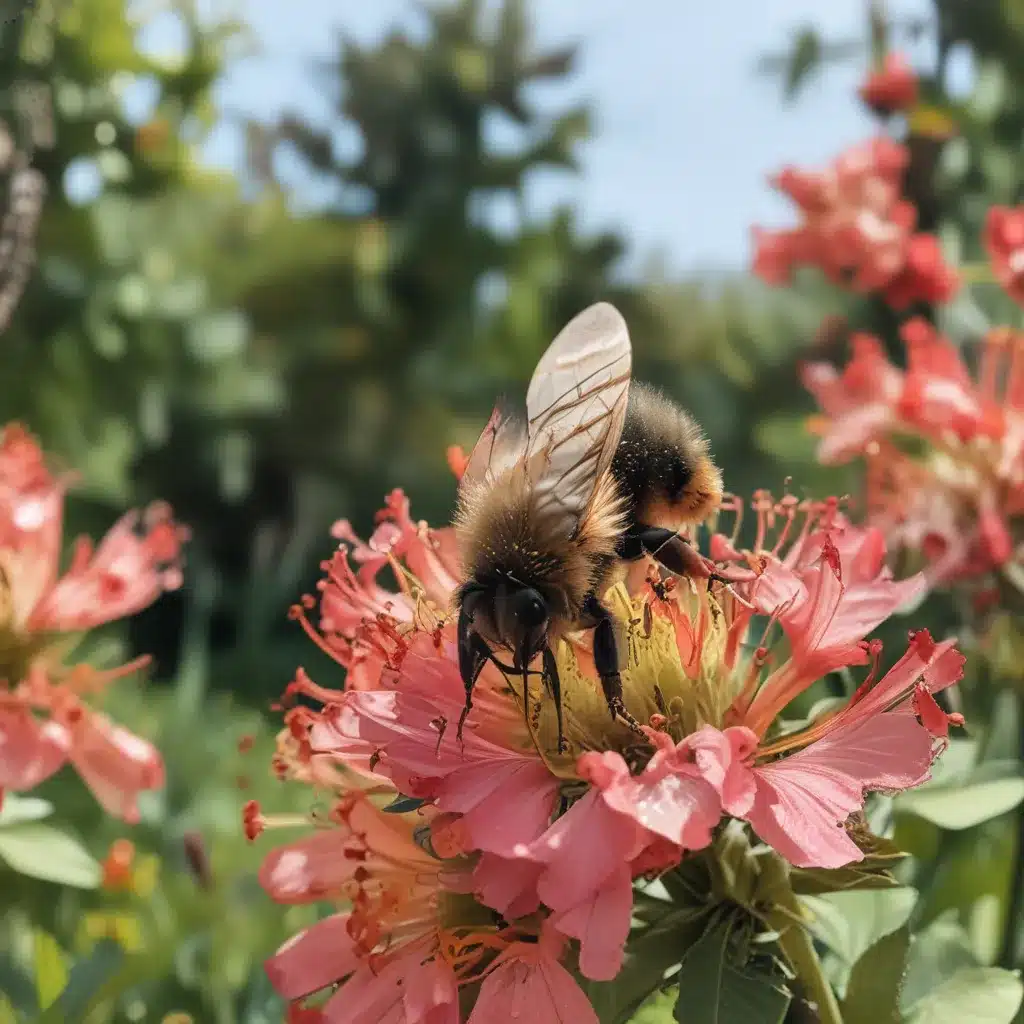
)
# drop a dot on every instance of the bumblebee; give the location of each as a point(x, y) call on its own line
point(600, 472)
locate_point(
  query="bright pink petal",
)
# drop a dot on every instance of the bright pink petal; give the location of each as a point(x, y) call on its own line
point(312, 868)
point(131, 568)
point(313, 959)
point(670, 797)
point(933, 718)
point(582, 849)
point(803, 800)
point(507, 885)
point(116, 764)
point(505, 800)
point(530, 985)
point(849, 435)
point(29, 751)
point(602, 926)
point(432, 994)
point(939, 665)
point(408, 990)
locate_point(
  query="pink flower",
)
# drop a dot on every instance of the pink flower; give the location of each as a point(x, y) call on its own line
point(1004, 240)
point(385, 950)
point(834, 590)
point(409, 941)
point(891, 87)
point(44, 717)
point(857, 229)
point(860, 401)
point(528, 983)
point(955, 505)
point(493, 777)
point(30, 750)
point(873, 743)
point(552, 840)
point(114, 763)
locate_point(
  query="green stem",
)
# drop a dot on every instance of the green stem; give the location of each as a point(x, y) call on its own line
point(795, 942)
point(1008, 954)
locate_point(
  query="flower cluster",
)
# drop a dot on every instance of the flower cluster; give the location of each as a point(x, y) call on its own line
point(956, 493)
point(857, 229)
point(1004, 240)
point(473, 873)
point(45, 715)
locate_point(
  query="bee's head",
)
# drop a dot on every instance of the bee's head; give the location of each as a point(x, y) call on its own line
point(509, 614)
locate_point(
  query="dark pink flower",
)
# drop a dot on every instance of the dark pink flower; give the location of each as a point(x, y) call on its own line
point(857, 229)
point(956, 503)
point(1004, 240)
point(45, 717)
point(528, 983)
point(891, 87)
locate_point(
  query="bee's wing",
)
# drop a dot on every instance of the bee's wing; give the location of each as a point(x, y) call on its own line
point(501, 445)
point(576, 405)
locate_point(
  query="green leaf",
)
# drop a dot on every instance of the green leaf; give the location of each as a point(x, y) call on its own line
point(712, 990)
point(103, 974)
point(403, 804)
point(981, 995)
point(850, 923)
point(873, 991)
point(18, 987)
point(804, 58)
point(23, 808)
point(51, 970)
point(42, 851)
point(657, 1010)
point(937, 953)
point(649, 957)
point(957, 809)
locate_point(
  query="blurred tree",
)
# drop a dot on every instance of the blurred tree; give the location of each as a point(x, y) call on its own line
point(441, 288)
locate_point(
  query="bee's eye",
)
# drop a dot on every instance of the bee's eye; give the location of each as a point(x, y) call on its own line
point(531, 608)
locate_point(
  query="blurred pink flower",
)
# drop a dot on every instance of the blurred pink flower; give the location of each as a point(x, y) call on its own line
point(857, 229)
point(44, 717)
point(955, 504)
point(1004, 240)
point(890, 87)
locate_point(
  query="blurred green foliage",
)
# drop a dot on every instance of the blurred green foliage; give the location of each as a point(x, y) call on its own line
point(268, 372)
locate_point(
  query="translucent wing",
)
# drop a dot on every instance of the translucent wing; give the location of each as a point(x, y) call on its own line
point(501, 445)
point(576, 405)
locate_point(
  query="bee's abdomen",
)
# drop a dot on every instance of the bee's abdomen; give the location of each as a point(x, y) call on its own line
point(663, 464)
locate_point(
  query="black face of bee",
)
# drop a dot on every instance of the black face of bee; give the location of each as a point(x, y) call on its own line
point(509, 614)
point(502, 612)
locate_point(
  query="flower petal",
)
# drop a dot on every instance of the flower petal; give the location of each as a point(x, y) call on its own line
point(602, 926)
point(803, 801)
point(116, 764)
point(530, 985)
point(29, 751)
point(313, 959)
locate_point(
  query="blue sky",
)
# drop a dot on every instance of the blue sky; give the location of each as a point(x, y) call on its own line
point(686, 129)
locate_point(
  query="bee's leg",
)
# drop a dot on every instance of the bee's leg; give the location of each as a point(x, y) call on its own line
point(551, 678)
point(606, 659)
point(675, 553)
point(510, 670)
point(473, 655)
point(522, 660)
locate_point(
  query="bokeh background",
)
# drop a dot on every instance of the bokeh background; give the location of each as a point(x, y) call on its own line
point(291, 252)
